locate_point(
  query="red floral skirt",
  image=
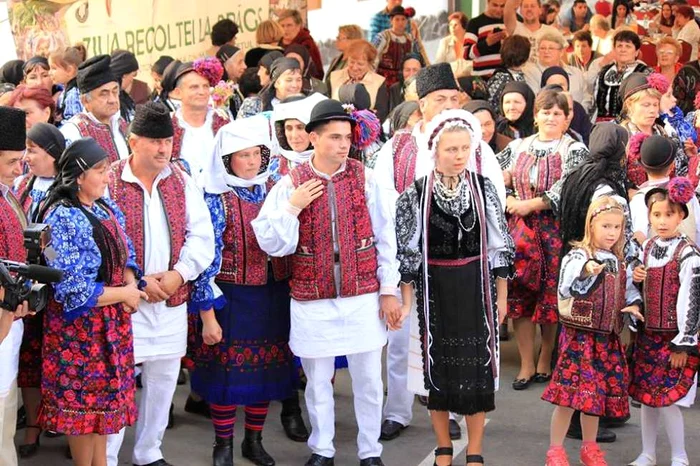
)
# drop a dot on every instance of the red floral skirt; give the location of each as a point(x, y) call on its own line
point(654, 383)
point(29, 375)
point(591, 374)
point(88, 382)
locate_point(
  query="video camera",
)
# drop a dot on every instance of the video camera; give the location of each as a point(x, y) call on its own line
point(30, 284)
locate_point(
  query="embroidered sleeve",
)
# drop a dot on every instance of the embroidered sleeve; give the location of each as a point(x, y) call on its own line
point(571, 159)
point(131, 260)
point(688, 304)
point(408, 234)
point(500, 244)
point(632, 294)
point(78, 257)
point(495, 86)
point(505, 157)
point(681, 160)
point(251, 106)
point(570, 282)
point(205, 294)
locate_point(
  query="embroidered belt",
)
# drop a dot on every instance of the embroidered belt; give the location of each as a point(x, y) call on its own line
point(453, 262)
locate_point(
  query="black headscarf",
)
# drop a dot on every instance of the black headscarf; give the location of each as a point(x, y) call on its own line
point(12, 72)
point(78, 158)
point(401, 114)
point(408, 56)
point(474, 106)
point(162, 63)
point(553, 71)
point(604, 166)
point(168, 82)
point(526, 123)
point(51, 140)
point(278, 67)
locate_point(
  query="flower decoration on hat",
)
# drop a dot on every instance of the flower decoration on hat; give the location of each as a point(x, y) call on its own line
point(210, 68)
point(680, 190)
point(659, 82)
point(635, 171)
point(410, 12)
point(367, 129)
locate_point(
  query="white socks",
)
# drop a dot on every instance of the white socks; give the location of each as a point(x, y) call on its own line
point(673, 422)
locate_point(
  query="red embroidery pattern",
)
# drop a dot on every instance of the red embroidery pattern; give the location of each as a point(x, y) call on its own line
point(600, 310)
point(283, 166)
point(390, 61)
point(129, 198)
point(100, 133)
point(179, 133)
point(11, 230)
point(242, 261)
point(21, 188)
point(313, 262)
point(661, 291)
point(548, 172)
point(405, 153)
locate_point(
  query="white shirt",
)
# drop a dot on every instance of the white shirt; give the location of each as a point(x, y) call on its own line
point(338, 326)
point(160, 331)
point(578, 85)
point(72, 133)
point(534, 36)
point(690, 33)
point(197, 145)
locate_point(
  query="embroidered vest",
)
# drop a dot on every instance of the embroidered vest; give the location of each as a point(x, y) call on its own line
point(599, 311)
point(405, 151)
point(284, 165)
point(179, 132)
point(129, 198)
point(101, 133)
point(21, 188)
point(313, 263)
point(12, 224)
point(242, 261)
point(548, 169)
point(391, 59)
point(661, 289)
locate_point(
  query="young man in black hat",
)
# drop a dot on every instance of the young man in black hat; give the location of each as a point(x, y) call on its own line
point(174, 244)
point(12, 225)
point(101, 120)
point(401, 161)
point(343, 296)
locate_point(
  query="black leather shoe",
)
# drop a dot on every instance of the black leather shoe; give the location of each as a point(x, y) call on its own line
point(475, 459)
point(30, 449)
point(200, 407)
point(223, 452)
point(292, 422)
point(541, 377)
point(52, 434)
point(182, 377)
point(522, 384)
point(503, 332)
point(374, 461)
point(160, 462)
point(613, 422)
point(139, 383)
point(252, 449)
point(455, 430)
point(171, 417)
point(21, 418)
point(604, 435)
point(391, 430)
point(318, 460)
point(443, 451)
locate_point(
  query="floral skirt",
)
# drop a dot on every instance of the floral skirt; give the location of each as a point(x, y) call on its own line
point(591, 374)
point(654, 383)
point(88, 382)
point(29, 375)
point(253, 362)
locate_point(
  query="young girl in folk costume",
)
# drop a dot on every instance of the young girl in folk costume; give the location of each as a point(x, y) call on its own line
point(595, 289)
point(665, 357)
point(454, 248)
point(240, 349)
point(64, 71)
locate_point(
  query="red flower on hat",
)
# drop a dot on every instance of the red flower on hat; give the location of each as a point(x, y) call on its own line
point(635, 171)
point(209, 68)
point(680, 190)
point(410, 12)
point(659, 82)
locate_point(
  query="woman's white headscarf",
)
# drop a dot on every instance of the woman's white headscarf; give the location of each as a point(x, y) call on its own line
point(452, 119)
point(296, 110)
point(233, 137)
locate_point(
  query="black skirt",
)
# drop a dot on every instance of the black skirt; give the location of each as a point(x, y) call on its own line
point(461, 378)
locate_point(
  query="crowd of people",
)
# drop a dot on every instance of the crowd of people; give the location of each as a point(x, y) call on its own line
point(258, 223)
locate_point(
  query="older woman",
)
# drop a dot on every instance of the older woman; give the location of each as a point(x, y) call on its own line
point(361, 54)
point(346, 34)
point(88, 388)
point(411, 65)
point(458, 260)
point(538, 166)
point(516, 104)
point(668, 52)
point(515, 51)
point(689, 30)
point(484, 112)
point(285, 80)
point(451, 48)
point(36, 102)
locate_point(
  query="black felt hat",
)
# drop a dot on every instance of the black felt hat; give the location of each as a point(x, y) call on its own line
point(13, 128)
point(226, 51)
point(123, 62)
point(656, 152)
point(435, 78)
point(328, 110)
point(152, 120)
point(632, 84)
point(269, 58)
point(160, 64)
point(398, 11)
point(355, 94)
point(95, 72)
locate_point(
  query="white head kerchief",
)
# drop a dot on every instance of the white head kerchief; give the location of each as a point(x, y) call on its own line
point(455, 118)
point(296, 110)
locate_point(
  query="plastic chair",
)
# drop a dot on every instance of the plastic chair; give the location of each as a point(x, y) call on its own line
point(648, 52)
point(685, 53)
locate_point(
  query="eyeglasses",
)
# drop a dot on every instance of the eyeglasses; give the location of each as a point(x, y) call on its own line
point(549, 49)
point(665, 52)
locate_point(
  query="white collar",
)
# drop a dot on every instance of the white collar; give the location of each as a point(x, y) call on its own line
point(324, 175)
point(129, 177)
point(113, 120)
point(184, 125)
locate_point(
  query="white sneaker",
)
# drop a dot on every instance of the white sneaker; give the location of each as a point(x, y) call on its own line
point(680, 462)
point(644, 460)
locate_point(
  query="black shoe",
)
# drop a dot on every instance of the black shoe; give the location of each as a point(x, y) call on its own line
point(67, 453)
point(223, 452)
point(139, 383)
point(182, 377)
point(318, 460)
point(443, 451)
point(503, 332)
point(200, 407)
point(171, 417)
point(475, 459)
point(374, 461)
point(21, 418)
point(522, 384)
point(30, 449)
point(391, 430)
point(52, 434)
point(160, 462)
point(292, 422)
point(604, 435)
point(252, 449)
point(613, 422)
point(455, 430)
point(541, 377)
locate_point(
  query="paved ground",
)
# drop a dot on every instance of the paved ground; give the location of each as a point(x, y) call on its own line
point(517, 434)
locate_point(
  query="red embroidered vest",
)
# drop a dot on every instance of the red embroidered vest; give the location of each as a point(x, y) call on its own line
point(405, 151)
point(242, 261)
point(12, 224)
point(21, 188)
point(284, 165)
point(101, 133)
point(549, 170)
point(599, 311)
point(313, 263)
point(129, 198)
point(179, 133)
point(661, 289)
